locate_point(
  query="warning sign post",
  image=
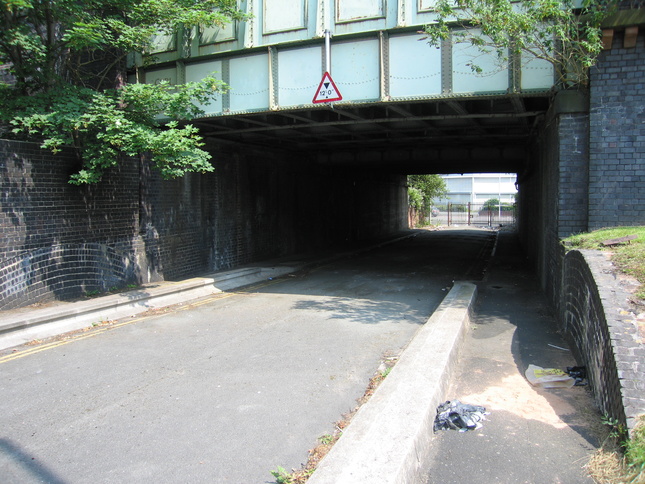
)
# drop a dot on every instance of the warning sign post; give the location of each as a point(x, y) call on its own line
point(327, 91)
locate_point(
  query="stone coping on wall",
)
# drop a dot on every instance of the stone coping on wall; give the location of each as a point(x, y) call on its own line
point(626, 328)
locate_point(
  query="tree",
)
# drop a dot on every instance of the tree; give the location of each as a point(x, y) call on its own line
point(423, 190)
point(494, 204)
point(556, 31)
point(68, 63)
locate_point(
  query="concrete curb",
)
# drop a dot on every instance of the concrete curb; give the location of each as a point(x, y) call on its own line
point(22, 326)
point(19, 327)
point(389, 438)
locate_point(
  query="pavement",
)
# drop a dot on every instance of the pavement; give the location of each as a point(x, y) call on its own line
point(531, 435)
point(475, 347)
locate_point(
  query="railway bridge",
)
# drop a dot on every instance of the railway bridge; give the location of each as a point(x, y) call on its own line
point(295, 175)
point(406, 107)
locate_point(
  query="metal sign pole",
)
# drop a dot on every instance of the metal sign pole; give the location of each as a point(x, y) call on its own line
point(327, 91)
point(328, 51)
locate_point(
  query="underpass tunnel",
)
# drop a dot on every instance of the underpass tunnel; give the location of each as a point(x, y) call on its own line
point(334, 176)
point(297, 171)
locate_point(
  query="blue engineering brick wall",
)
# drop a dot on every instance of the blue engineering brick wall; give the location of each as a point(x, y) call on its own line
point(60, 241)
point(608, 338)
point(553, 195)
point(591, 305)
point(617, 137)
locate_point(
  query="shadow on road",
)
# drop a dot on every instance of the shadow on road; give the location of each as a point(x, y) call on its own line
point(25, 465)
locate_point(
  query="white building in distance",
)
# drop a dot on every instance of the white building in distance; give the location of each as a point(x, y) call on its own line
point(476, 188)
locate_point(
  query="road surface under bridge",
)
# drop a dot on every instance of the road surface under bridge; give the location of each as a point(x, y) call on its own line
point(228, 388)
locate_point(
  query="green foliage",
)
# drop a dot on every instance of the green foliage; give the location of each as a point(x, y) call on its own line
point(415, 198)
point(327, 439)
point(424, 189)
point(282, 476)
point(635, 449)
point(494, 204)
point(67, 59)
point(627, 258)
point(82, 42)
point(458, 207)
point(617, 430)
point(626, 462)
point(552, 30)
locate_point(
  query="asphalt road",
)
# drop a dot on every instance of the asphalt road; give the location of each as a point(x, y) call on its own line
point(227, 388)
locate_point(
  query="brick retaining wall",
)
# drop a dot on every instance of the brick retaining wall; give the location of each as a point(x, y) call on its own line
point(608, 338)
point(591, 305)
point(60, 241)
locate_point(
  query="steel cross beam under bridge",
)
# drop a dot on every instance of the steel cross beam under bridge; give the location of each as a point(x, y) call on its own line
point(406, 106)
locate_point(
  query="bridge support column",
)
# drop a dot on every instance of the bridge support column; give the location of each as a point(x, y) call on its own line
point(554, 187)
point(571, 112)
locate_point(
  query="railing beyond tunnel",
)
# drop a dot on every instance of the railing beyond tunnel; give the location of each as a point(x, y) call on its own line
point(476, 214)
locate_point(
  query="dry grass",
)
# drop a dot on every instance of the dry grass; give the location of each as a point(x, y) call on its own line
point(610, 464)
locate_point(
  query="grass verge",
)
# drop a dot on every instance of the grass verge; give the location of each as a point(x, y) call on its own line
point(620, 460)
point(629, 258)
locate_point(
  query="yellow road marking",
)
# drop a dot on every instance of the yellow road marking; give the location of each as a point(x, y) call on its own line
point(97, 331)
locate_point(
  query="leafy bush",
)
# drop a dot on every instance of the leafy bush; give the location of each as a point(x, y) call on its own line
point(493, 204)
point(424, 189)
point(67, 62)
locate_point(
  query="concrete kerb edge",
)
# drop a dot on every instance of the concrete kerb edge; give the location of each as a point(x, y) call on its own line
point(45, 323)
point(389, 439)
point(49, 322)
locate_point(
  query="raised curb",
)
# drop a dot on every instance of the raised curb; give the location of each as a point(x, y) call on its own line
point(19, 327)
point(389, 438)
point(24, 325)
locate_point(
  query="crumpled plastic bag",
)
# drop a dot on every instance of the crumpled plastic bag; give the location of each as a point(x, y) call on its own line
point(548, 377)
point(454, 415)
point(579, 374)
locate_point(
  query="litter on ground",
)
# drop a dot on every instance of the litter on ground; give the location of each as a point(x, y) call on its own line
point(548, 377)
point(454, 415)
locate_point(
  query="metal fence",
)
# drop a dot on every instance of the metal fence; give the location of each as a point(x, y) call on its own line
point(473, 214)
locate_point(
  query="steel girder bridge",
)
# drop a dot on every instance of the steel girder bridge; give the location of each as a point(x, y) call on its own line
point(406, 106)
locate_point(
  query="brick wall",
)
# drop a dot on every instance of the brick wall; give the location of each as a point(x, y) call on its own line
point(605, 334)
point(592, 307)
point(553, 194)
point(60, 241)
point(617, 139)
point(573, 176)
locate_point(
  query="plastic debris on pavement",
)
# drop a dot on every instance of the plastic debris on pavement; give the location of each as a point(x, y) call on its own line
point(454, 415)
point(579, 374)
point(548, 377)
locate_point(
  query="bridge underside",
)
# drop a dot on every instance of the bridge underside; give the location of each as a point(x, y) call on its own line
point(404, 106)
point(483, 134)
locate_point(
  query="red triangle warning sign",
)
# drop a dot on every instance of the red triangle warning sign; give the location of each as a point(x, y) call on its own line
point(327, 91)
